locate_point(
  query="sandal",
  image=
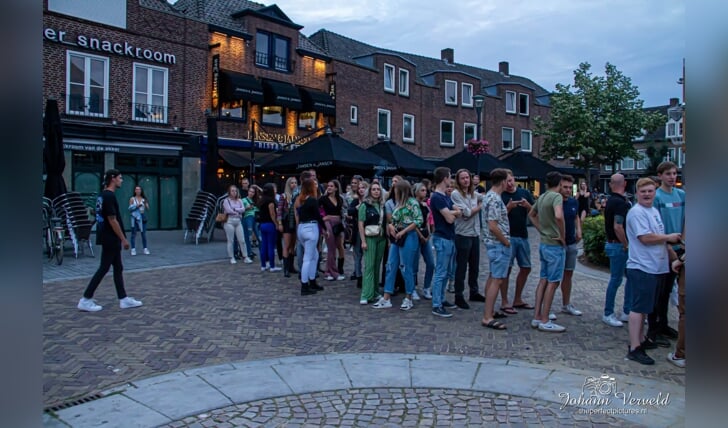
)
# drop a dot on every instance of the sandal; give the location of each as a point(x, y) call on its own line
point(499, 315)
point(523, 306)
point(509, 310)
point(495, 325)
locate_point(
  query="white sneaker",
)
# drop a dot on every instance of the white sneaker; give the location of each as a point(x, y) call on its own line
point(88, 305)
point(415, 296)
point(340, 278)
point(382, 303)
point(552, 316)
point(146, 251)
point(571, 310)
point(129, 302)
point(551, 327)
point(233, 261)
point(263, 269)
point(535, 323)
point(406, 304)
point(612, 321)
point(363, 302)
point(248, 260)
point(329, 278)
point(276, 269)
point(624, 317)
point(427, 294)
point(450, 287)
point(133, 251)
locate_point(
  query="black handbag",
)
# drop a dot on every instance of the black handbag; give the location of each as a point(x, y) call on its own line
point(398, 242)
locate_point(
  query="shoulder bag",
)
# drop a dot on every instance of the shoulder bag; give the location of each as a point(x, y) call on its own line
point(375, 229)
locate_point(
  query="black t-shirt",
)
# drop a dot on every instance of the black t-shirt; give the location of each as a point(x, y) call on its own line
point(107, 206)
point(264, 210)
point(443, 229)
point(517, 217)
point(617, 205)
point(329, 207)
point(583, 203)
point(308, 211)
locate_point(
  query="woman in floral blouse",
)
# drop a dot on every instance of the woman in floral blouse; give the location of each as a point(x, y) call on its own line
point(406, 217)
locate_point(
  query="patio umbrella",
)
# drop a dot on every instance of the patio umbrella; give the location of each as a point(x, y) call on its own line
point(55, 161)
point(484, 163)
point(405, 161)
point(528, 166)
point(329, 154)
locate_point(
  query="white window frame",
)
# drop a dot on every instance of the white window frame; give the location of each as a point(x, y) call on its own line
point(513, 143)
point(389, 123)
point(641, 164)
point(510, 95)
point(528, 101)
point(87, 84)
point(607, 167)
point(467, 101)
point(403, 81)
point(454, 89)
point(149, 70)
point(624, 166)
point(677, 124)
point(388, 71)
point(410, 138)
point(466, 126)
point(451, 143)
point(354, 114)
point(674, 156)
point(529, 138)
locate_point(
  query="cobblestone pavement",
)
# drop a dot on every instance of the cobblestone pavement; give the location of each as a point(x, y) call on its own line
point(398, 407)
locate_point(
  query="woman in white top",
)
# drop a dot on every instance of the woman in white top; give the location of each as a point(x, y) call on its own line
point(233, 207)
point(138, 205)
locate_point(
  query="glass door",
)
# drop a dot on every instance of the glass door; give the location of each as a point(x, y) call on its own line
point(169, 209)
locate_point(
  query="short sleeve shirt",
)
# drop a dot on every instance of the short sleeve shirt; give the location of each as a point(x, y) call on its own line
point(407, 214)
point(571, 213)
point(672, 209)
point(545, 206)
point(443, 229)
point(647, 258)
point(495, 210)
point(108, 206)
point(617, 205)
point(517, 218)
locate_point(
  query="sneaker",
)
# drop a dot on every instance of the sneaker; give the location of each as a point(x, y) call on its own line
point(461, 303)
point(551, 327)
point(276, 269)
point(535, 323)
point(363, 302)
point(611, 320)
point(448, 305)
point(146, 251)
point(640, 356)
point(329, 278)
point(382, 303)
point(88, 305)
point(648, 344)
point(450, 287)
point(406, 304)
point(415, 296)
point(248, 260)
point(233, 261)
point(552, 316)
point(680, 362)
point(624, 317)
point(571, 310)
point(669, 332)
point(133, 251)
point(340, 278)
point(477, 297)
point(660, 341)
point(263, 268)
point(441, 312)
point(427, 294)
point(129, 302)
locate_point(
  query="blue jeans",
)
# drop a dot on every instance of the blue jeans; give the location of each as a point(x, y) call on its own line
point(444, 255)
point(138, 225)
point(249, 227)
point(617, 264)
point(429, 258)
point(404, 257)
point(268, 244)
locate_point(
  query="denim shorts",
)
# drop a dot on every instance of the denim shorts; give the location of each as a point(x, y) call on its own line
point(571, 252)
point(552, 259)
point(521, 252)
point(499, 257)
point(644, 286)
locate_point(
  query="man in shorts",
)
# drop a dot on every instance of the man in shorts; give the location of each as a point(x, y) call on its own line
point(572, 225)
point(547, 215)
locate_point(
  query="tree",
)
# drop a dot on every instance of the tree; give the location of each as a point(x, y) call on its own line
point(653, 157)
point(595, 121)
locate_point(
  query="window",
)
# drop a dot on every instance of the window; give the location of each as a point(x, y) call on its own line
point(607, 167)
point(510, 102)
point(627, 163)
point(383, 123)
point(234, 110)
point(642, 162)
point(526, 145)
point(467, 96)
point(150, 94)
point(408, 128)
point(673, 129)
point(87, 85)
point(507, 138)
point(523, 104)
point(271, 51)
point(447, 133)
point(673, 155)
point(403, 82)
point(451, 92)
point(469, 130)
point(307, 119)
point(354, 114)
point(388, 78)
point(273, 115)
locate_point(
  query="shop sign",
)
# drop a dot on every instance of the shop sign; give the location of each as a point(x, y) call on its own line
point(90, 147)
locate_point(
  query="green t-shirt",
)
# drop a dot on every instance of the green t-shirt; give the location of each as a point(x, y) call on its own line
point(250, 208)
point(545, 206)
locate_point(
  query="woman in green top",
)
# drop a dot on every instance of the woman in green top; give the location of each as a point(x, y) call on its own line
point(251, 207)
point(370, 213)
point(406, 217)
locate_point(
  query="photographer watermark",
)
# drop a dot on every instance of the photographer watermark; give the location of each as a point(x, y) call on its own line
point(600, 395)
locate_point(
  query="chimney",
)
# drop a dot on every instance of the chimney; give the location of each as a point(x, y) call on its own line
point(503, 68)
point(674, 102)
point(448, 55)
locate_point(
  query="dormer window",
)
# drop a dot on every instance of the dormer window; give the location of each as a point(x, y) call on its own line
point(510, 102)
point(451, 92)
point(271, 51)
point(388, 78)
point(673, 129)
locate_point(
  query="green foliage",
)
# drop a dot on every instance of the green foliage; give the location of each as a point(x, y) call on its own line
point(654, 157)
point(596, 119)
point(594, 238)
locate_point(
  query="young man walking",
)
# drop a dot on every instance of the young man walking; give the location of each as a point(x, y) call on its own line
point(444, 215)
point(547, 215)
point(572, 226)
point(615, 215)
point(110, 232)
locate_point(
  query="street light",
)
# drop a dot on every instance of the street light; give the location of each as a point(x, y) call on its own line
point(479, 100)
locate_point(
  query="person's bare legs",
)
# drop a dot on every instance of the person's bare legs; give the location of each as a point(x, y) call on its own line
point(548, 298)
point(636, 325)
point(566, 287)
point(540, 290)
point(503, 288)
point(492, 287)
point(520, 285)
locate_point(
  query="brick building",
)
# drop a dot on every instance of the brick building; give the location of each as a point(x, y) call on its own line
point(129, 77)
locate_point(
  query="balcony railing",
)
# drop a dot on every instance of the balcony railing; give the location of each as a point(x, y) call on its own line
point(280, 63)
point(87, 106)
point(149, 113)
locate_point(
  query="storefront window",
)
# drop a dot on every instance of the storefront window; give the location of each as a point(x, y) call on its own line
point(307, 120)
point(234, 110)
point(273, 115)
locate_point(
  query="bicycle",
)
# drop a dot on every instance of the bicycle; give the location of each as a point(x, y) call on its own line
point(53, 234)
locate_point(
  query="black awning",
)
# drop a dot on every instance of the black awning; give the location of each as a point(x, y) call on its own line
point(528, 166)
point(314, 100)
point(282, 94)
point(238, 86)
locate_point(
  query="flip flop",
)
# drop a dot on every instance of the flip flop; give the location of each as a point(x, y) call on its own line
point(509, 311)
point(499, 315)
point(523, 306)
point(495, 325)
